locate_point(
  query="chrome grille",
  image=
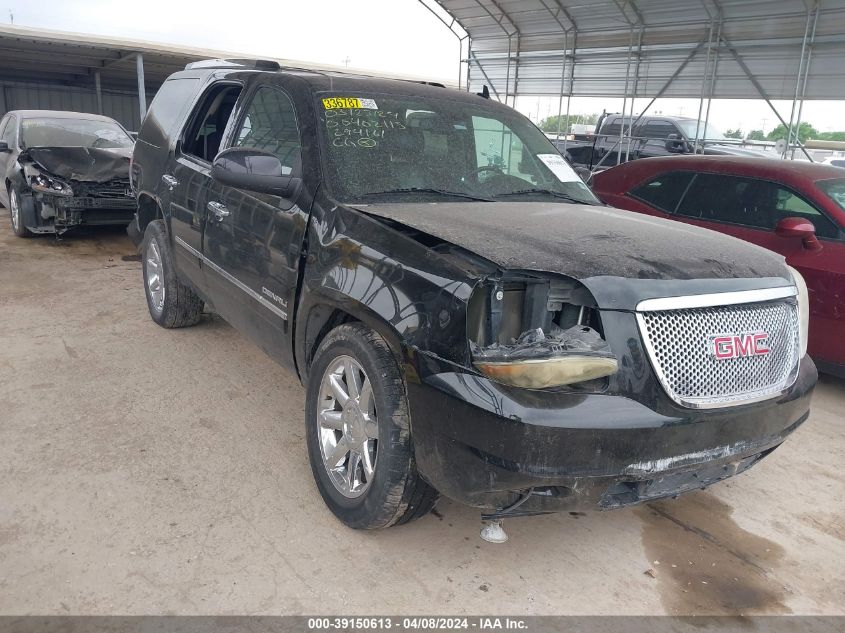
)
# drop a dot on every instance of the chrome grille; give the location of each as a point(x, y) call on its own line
point(679, 345)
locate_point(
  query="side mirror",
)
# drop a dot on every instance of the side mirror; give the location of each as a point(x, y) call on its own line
point(799, 227)
point(676, 144)
point(257, 171)
point(4, 147)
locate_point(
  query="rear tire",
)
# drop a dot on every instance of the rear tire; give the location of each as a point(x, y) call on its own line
point(15, 214)
point(171, 303)
point(383, 488)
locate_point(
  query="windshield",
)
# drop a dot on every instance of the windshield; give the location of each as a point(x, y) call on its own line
point(411, 149)
point(834, 189)
point(46, 132)
point(708, 132)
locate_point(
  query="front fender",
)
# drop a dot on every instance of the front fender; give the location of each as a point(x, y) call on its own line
point(360, 268)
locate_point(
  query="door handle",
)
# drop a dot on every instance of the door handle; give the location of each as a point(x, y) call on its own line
point(218, 209)
point(169, 181)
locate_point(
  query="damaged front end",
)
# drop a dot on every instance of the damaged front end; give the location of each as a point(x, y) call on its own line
point(560, 409)
point(71, 186)
point(533, 332)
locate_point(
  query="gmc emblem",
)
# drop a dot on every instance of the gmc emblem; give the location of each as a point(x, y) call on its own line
point(727, 346)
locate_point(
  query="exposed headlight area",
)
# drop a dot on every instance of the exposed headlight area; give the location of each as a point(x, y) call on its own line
point(803, 299)
point(537, 333)
point(47, 184)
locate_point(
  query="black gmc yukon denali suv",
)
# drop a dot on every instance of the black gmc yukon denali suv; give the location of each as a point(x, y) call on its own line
point(466, 317)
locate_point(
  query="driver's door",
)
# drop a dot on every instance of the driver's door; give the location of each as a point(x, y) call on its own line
point(252, 241)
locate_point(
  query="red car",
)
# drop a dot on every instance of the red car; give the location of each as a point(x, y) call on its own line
point(794, 208)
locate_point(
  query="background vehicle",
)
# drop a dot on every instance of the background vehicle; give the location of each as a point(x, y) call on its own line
point(794, 208)
point(62, 169)
point(651, 136)
point(835, 161)
point(455, 299)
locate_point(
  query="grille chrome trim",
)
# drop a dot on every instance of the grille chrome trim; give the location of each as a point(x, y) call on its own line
point(716, 299)
point(680, 360)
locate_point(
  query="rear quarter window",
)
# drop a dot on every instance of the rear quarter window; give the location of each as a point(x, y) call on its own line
point(167, 110)
point(665, 191)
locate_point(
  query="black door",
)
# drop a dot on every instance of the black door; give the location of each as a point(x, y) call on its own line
point(253, 241)
point(189, 174)
point(8, 133)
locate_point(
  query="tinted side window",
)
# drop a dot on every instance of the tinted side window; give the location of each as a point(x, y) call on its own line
point(8, 133)
point(612, 129)
point(205, 130)
point(749, 202)
point(665, 191)
point(790, 205)
point(269, 125)
point(170, 102)
point(657, 130)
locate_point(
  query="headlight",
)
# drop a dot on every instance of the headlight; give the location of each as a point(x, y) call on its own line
point(549, 372)
point(803, 308)
point(537, 360)
point(54, 186)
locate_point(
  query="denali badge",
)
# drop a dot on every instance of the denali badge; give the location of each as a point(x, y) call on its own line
point(726, 346)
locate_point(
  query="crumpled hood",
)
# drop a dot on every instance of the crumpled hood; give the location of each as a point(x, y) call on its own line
point(583, 241)
point(86, 164)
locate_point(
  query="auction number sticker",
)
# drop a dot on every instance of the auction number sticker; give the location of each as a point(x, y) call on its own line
point(333, 103)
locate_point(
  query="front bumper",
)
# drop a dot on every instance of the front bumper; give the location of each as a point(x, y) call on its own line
point(57, 213)
point(490, 446)
point(94, 211)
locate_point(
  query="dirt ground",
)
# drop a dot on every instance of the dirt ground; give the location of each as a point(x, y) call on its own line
point(159, 471)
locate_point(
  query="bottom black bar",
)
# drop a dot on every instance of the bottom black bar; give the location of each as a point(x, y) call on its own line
point(317, 624)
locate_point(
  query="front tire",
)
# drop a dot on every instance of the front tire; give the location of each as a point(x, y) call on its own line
point(15, 214)
point(171, 303)
point(358, 432)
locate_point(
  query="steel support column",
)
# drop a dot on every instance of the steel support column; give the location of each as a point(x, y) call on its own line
point(659, 94)
point(142, 90)
point(761, 91)
point(810, 44)
point(98, 91)
point(571, 82)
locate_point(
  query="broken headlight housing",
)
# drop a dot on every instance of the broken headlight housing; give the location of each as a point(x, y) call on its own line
point(537, 333)
point(47, 184)
point(803, 309)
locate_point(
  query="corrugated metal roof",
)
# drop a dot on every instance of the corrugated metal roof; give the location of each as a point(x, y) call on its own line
point(521, 45)
point(71, 59)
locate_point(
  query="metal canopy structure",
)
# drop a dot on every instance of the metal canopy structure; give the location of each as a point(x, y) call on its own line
point(519, 47)
point(703, 49)
point(46, 69)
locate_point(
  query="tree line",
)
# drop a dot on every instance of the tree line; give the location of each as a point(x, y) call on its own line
point(555, 123)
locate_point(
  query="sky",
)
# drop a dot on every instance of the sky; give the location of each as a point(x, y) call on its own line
point(392, 36)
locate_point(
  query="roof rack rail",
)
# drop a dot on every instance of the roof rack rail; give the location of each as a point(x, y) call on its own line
point(256, 64)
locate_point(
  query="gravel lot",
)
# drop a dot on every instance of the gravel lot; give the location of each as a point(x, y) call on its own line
point(152, 471)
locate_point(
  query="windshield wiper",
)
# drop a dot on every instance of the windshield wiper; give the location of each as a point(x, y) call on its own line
point(442, 192)
point(548, 192)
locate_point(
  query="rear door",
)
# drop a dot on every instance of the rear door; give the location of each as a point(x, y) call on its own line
point(253, 241)
point(750, 209)
point(189, 175)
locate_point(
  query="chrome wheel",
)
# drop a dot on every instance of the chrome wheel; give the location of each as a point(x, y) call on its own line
point(155, 276)
point(347, 426)
point(14, 209)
